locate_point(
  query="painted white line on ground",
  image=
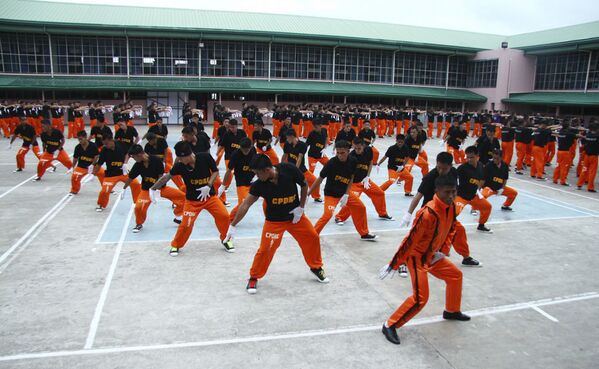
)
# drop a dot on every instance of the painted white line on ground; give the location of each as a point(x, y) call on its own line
point(533, 182)
point(352, 231)
point(544, 313)
point(558, 201)
point(302, 334)
point(39, 229)
point(93, 327)
point(114, 206)
point(17, 186)
point(32, 229)
point(556, 204)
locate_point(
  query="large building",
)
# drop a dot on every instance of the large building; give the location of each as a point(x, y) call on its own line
point(78, 51)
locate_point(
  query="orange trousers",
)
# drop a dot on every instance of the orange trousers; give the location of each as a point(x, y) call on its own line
point(143, 202)
point(375, 154)
point(23, 151)
point(242, 193)
point(191, 210)
point(430, 129)
point(589, 171)
point(538, 161)
point(5, 128)
point(580, 165)
point(356, 209)
point(520, 155)
point(391, 124)
point(406, 126)
point(508, 151)
point(458, 155)
point(108, 184)
point(46, 161)
point(215, 127)
point(312, 162)
point(71, 129)
point(245, 125)
point(509, 193)
point(478, 129)
point(482, 205)
point(276, 126)
point(308, 127)
point(564, 161)
point(458, 240)
point(272, 155)
point(550, 152)
point(227, 183)
point(381, 127)
point(376, 195)
point(58, 123)
point(421, 162)
point(219, 154)
point(573, 152)
point(404, 175)
point(439, 129)
point(92, 123)
point(79, 173)
point(311, 178)
point(272, 235)
point(443, 269)
point(217, 183)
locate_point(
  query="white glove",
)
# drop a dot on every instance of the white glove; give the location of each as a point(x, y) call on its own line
point(399, 168)
point(366, 183)
point(90, 169)
point(500, 191)
point(479, 193)
point(297, 214)
point(204, 193)
point(69, 172)
point(385, 271)
point(125, 169)
point(55, 154)
point(230, 234)
point(405, 220)
point(153, 196)
point(221, 190)
point(343, 200)
point(123, 193)
point(264, 148)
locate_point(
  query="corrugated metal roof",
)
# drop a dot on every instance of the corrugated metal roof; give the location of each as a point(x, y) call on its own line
point(234, 85)
point(555, 98)
point(580, 32)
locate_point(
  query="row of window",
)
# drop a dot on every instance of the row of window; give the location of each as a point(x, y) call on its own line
point(31, 53)
point(567, 71)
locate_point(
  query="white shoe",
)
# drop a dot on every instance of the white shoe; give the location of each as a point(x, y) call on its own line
point(99, 209)
point(403, 271)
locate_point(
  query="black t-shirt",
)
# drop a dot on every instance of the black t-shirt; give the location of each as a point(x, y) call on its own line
point(469, 179)
point(591, 146)
point(316, 142)
point(158, 151)
point(413, 146)
point(240, 164)
point(508, 134)
point(293, 154)
point(397, 156)
point(456, 137)
point(99, 113)
point(85, 157)
point(565, 139)
point(230, 142)
point(363, 162)
point(52, 140)
point(99, 133)
point(152, 116)
point(92, 113)
point(220, 132)
point(149, 175)
point(367, 136)
point(495, 177)
point(114, 159)
point(523, 134)
point(262, 138)
point(347, 136)
point(485, 148)
point(427, 186)
point(27, 134)
point(160, 132)
point(541, 136)
point(70, 114)
point(281, 197)
point(203, 144)
point(196, 177)
point(126, 136)
point(283, 132)
point(338, 175)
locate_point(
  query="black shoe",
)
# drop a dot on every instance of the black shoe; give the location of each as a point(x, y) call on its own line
point(18, 170)
point(37, 179)
point(471, 262)
point(391, 334)
point(482, 228)
point(386, 217)
point(578, 188)
point(519, 172)
point(252, 286)
point(227, 204)
point(339, 222)
point(318, 200)
point(320, 275)
point(565, 184)
point(409, 194)
point(455, 316)
point(228, 245)
point(137, 228)
point(506, 208)
point(368, 237)
point(592, 190)
point(177, 220)
point(541, 178)
point(174, 251)
point(402, 271)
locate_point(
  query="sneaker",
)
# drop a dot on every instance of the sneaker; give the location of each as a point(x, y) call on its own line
point(506, 208)
point(592, 191)
point(565, 184)
point(227, 204)
point(578, 188)
point(229, 246)
point(52, 169)
point(17, 170)
point(252, 286)
point(137, 228)
point(177, 220)
point(390, 334)
point(99, 209)
point(471, 262)
point(408, 194)
point(473, 212)
point(455, 316)
point(547, 164)
point(36, 179)
point(318, 200)
point(339, 222)
point(402, 271)
point(319, 273)
point(368, 237)
point(541, 178)
point(482, 228)
point(174, 251)
point(519, 172)
point(386, 217)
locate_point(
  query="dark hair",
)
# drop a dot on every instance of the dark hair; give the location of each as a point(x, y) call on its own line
point(490, 129)
point(445, 158)
point(107, 136)
point(259, 122)
point(471, 150)
point(187, 130)
point(150, 136)
point(358, 141)
point(233, 122)
point(342, 144)
point(82, 133)
point(245, 143)
point(135, 149)
point(400, 137)
point(290, 132)
point(182, 148)
point(260, 161)
point(45, 121)
point(445, 181)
